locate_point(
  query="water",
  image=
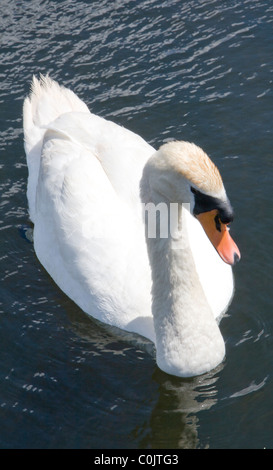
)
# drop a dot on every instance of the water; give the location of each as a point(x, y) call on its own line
point(196, 70)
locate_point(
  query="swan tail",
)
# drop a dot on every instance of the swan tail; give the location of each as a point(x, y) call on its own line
point(46, 102)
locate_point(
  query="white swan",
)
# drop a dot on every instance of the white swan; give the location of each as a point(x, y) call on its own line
point(85, 175)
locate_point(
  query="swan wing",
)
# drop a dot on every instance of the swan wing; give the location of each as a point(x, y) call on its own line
point(88, 231)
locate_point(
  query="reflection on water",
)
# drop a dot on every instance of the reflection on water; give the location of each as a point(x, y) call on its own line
point(178, 400)
point(177, 410)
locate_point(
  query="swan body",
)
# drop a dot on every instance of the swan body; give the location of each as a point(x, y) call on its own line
point(89, 180)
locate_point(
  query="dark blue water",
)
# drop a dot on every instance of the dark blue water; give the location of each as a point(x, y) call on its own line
point(195, 70)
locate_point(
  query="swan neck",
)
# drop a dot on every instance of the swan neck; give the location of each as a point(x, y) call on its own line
point(188, 340)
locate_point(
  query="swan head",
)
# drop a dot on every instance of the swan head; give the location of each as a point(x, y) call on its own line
point(181, 172)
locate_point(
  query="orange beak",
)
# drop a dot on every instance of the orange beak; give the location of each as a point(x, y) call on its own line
point(218, 234)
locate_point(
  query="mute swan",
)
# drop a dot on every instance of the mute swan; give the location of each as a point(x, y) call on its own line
point(91, 184)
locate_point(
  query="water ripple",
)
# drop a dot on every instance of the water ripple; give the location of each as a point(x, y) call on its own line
point(253, 387)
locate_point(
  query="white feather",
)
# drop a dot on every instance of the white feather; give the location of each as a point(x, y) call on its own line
point(83, 193)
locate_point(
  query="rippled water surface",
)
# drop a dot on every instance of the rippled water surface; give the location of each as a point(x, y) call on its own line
point(195, 70)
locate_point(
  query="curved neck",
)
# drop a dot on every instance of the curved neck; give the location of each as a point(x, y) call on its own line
point(188, 340)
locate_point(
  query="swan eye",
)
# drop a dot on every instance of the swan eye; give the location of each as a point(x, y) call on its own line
point(226, 215)
point(206, 203)
point(217, 223)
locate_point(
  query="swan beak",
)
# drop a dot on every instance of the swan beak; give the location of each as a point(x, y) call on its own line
point(218, 234)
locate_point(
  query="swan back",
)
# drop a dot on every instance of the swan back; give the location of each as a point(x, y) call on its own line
point(52, 108)
point(83, 194)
